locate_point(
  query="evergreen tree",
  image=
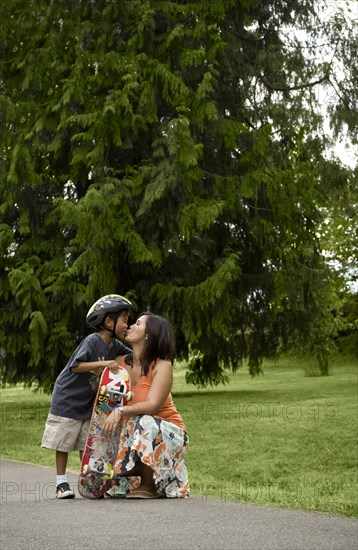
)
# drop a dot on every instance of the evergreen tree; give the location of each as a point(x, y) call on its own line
point(174, 152)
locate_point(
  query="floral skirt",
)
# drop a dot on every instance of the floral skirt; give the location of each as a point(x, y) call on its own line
point(160, 445)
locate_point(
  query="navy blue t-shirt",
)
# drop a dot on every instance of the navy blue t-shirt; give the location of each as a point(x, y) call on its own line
point(73, 393)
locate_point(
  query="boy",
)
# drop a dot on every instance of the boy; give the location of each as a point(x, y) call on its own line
point(76, 386)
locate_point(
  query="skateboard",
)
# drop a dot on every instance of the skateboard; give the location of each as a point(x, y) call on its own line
point(97, 472)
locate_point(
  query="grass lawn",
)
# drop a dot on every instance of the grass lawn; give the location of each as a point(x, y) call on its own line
point(284, 439)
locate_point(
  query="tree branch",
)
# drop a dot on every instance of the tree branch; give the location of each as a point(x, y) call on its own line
point(278, 88)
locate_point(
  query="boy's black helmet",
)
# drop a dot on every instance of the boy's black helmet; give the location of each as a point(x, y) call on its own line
point(112, 303)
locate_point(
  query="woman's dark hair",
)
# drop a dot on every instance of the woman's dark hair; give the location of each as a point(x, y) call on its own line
point(159, 343)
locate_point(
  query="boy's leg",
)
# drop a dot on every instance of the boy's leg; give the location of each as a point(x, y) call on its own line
point(61, 463)
point(60, 435)
point(63, 489)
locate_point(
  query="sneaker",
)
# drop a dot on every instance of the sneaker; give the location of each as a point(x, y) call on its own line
point(63, 491)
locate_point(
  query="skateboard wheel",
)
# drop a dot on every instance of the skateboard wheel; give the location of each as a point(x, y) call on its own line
point(86, 469)
point(104, 390)
point(130, 396)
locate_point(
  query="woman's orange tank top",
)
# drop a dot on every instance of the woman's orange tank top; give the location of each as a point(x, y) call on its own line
point(168, 411)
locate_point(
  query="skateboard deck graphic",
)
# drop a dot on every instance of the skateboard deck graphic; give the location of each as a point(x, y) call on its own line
point(100, 450)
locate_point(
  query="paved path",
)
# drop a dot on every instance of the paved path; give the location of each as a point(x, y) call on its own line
point(31, 518)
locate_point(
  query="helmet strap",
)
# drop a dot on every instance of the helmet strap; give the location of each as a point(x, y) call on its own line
point(112, 330)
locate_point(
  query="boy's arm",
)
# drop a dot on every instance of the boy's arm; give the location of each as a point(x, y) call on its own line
point(92, 365)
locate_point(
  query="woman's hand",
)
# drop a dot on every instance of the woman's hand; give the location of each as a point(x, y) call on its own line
point(113, 420)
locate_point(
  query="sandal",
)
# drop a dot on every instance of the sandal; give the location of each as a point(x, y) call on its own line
point(143, 493)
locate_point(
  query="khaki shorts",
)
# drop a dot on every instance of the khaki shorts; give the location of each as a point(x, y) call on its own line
point(65, 434)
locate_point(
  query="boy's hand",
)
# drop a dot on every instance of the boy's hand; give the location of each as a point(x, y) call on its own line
point(113, 366)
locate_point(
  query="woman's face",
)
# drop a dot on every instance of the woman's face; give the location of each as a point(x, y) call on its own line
point(137, 332)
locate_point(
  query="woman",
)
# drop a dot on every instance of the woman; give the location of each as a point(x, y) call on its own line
point(153, 439)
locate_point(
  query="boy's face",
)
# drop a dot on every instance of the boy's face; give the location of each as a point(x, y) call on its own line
point(122, 324)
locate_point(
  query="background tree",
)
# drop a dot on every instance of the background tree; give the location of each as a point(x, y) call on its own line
point(339, 238)
point(172, 152)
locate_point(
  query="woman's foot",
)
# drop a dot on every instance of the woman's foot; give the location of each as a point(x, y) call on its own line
point(144, 492)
